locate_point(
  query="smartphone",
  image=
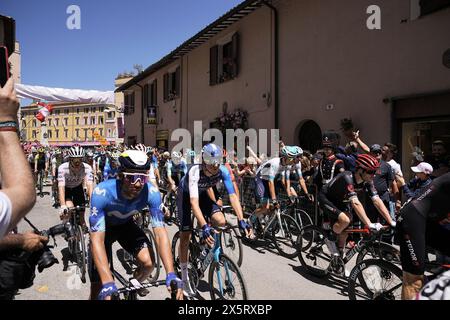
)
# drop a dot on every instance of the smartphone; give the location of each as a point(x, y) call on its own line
point(4, 66)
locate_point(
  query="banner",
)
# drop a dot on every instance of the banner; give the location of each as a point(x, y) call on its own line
point(151, 115)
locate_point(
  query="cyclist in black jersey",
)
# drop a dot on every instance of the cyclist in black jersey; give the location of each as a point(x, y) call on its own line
point(423, 221)
point(341, 193)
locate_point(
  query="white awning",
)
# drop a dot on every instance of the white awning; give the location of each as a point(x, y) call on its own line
point(64, 95)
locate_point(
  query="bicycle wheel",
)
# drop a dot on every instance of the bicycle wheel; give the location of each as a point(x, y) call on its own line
point(285, 237)
point(154, 255)
point(231, 244)
point(226, 281)
point(80, 252)
point(194, 278)
point(375, 279)
point(301, 216)
point(379, 250)
point(313, 253)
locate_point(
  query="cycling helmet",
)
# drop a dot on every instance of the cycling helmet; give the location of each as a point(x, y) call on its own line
point(212, 153)
point(140, 147)
point(166, 154)
point(41, 150)
point(134, 160)
point(33, 149)
point(89, 154)
point(58, 152)
point(290, 151)
point(115, 155)
point(76, 152)
point(367, 162)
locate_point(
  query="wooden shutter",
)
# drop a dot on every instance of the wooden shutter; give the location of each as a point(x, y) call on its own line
point(213, 65)
point(166, 87)
point(177, 81)
point(126, 103)
point(146, 100)
point(235, 55)
point(155, 93)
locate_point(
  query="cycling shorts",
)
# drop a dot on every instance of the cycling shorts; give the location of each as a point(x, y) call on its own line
point(207, 206)
point(76, 195)
point(415, 233)
point(262, 192)
point(129, 236)
point(331, 210)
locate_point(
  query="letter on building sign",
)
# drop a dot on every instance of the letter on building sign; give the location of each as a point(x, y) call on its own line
point(374, 20)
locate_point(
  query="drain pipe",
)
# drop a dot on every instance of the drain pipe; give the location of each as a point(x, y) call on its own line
point(276, 31)
point(142, 113)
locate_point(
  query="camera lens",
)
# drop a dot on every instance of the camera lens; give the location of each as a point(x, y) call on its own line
point(46, 260)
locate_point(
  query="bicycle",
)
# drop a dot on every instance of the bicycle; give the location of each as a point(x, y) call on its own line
point(225, 289)
point(294, 210)
point(382, 280)
point(281, 228)
point(142, 219)
point(41, 175)
point(318, 260)
point(130, 288)
point(75, 239)
point(231, 239)
point(169, 202)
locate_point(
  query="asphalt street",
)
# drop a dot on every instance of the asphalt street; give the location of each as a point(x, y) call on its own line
point(267, 274)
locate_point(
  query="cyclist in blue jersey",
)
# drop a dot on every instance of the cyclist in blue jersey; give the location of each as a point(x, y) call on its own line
point(176, 169)
point(111, 169)
point(113, 204)
point(196, 194)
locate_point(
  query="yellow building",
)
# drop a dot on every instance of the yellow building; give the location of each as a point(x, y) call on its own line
point(68, 124)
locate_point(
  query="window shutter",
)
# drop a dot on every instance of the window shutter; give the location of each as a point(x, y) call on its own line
point(166, 87)
point(177, 81)
point(154, 93)
point(235, 54)
point(126, 103)
point(145, 97)
point(213, 56)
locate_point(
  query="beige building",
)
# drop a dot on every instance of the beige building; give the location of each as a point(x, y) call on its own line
point(302, 66)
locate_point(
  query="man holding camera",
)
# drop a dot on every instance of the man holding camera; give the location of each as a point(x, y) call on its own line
point(18, 194)
point(12, 245)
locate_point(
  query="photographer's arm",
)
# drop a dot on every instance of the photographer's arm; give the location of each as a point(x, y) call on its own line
point(17, 179)
point(28, 241)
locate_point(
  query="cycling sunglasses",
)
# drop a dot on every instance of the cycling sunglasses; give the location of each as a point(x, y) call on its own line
point(371, 172)
point(133, 178)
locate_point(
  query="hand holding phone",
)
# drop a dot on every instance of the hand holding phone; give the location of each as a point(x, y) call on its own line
point(4, 66)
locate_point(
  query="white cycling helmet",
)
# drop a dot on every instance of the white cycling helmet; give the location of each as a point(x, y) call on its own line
point(141, 147)
point(76, 152)
point(176, 155)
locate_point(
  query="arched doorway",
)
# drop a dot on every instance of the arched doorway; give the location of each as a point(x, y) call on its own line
point(310, 136)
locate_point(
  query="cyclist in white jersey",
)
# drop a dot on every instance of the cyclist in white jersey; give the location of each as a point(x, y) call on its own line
point(71, 176)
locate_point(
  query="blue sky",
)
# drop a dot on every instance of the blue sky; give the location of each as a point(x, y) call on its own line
point(114, 36)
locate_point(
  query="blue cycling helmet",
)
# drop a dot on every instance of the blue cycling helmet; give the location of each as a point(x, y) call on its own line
point(212, 154)
point(290, 151)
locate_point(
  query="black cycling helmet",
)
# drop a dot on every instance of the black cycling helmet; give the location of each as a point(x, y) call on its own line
point(134, 160)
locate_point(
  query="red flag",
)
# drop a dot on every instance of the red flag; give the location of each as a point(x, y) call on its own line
point(44, 112)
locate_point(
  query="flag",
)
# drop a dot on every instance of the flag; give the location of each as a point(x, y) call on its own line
point(44, 112)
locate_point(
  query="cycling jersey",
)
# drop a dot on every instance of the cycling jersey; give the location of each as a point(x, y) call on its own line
point(41, 159)
point(71, 177)
point(110, 208)
point(175, 171)
point(195, 181)
point(270, 169)
point(110, 173)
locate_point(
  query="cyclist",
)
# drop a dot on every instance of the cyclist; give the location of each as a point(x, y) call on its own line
point(102, 158)
point(196, 194)
point(336, 197)
point(176, 169)
point(91, 161)
point(71, 176)
point(423, 221)
point(111, 169)
point(41, 162)
point(265, 181)
point(56, 161)
point(294, 172)
point(114, 202)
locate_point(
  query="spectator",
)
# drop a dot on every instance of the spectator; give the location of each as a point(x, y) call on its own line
point(348, 155)
point(18, 194)
point(421, 181)
point(440, 160)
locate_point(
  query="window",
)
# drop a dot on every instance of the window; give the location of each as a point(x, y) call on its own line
point(111, 115)
point(66, 131)
point(93, 120)
point(57, 122)
point(224, 61)
point(77, 121)
point(49, 122)
point(172, 85)
point(108, 135)
point(129, 103)
point(66, 111)
point(100, 120)
point(86, 110)
point(33, 134)
point(34, 122)
point(77, 133)
point(49, 134)
point(101, 131)
point(430, 6)
point(78, 110)
point(94, 109)
point(85, 121)
point(57, 112)
point(66, 122)
point(57, 133)
point(85, 134)
point(101, 109)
